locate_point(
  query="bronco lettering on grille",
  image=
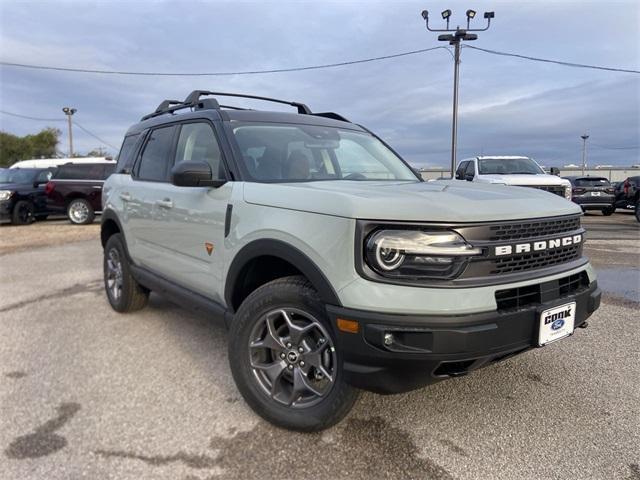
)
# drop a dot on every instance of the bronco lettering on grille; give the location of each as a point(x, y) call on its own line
point(537, 246)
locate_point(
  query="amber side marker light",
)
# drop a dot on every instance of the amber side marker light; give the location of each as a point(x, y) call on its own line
point(349, 326)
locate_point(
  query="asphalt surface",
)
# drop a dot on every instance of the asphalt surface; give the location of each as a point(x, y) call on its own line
point(89, 393)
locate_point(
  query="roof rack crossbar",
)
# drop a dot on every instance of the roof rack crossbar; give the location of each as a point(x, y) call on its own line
point(196, 94)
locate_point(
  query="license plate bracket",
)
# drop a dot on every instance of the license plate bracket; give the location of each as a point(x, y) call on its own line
point(556, 323)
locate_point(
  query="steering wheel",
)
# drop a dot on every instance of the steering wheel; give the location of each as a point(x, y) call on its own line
point(355, 176)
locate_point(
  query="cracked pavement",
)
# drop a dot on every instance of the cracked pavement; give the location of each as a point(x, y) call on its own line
point(88, 393)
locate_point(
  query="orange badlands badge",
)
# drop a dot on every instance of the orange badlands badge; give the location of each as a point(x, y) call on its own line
point(209, 247)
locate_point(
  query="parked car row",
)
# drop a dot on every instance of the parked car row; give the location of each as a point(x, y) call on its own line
point(74, 190)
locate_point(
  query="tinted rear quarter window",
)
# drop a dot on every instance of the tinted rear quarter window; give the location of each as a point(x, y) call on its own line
point(127, 154)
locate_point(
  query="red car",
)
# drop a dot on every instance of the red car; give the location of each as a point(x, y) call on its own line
point(76, 189)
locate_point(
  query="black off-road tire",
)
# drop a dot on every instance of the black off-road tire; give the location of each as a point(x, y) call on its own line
point(638, 211)
point(295, 293)
point(608, 211)
point(23, 213)
point(132, 296)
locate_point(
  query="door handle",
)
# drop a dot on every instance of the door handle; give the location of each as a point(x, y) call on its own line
point(165, 203)
point(125, 197)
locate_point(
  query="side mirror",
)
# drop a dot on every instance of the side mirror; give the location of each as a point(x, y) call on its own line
point(468, 177)
point(555, 171)
point(194, 174)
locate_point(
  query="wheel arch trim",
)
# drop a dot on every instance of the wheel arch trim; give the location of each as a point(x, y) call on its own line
point(283, 251)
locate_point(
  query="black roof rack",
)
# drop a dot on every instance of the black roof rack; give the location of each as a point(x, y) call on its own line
point(193, 101)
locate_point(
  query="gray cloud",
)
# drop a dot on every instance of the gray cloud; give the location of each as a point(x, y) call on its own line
point(507, 105)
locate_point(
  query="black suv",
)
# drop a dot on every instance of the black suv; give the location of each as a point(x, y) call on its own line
point(22, 197)
point(593, 193)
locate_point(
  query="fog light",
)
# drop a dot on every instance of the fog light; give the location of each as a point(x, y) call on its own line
point(388, 339)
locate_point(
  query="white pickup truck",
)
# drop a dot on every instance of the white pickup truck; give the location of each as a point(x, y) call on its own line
point(514, 171)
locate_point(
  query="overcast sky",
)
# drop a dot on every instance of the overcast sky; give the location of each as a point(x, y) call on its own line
point(507, 105)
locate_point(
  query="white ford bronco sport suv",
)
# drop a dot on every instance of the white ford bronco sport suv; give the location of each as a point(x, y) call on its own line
point(334, 266)
point(514, 171)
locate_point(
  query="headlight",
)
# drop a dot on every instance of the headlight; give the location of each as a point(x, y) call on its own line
point(567, 192)
point(416, 254)
point(5, 194)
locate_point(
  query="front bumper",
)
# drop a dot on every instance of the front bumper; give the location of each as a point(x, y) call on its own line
point(6, 207)
point(428, 349)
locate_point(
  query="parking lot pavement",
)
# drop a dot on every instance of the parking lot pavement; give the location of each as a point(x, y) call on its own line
point(89, 393)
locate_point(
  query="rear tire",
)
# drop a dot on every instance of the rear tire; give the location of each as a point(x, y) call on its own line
point(22, 213)
point(80, 212)
point(638, 211)
point(608, 211)
point(124, 293)
point(283, 357)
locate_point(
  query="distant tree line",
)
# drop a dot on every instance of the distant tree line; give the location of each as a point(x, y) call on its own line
point(39, 145)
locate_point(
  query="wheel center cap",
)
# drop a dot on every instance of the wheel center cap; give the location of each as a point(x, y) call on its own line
point(292, 356)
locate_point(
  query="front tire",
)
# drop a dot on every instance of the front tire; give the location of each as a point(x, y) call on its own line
point(23, 212)
point(283, 357)
point(124, 293)
point(80, 212)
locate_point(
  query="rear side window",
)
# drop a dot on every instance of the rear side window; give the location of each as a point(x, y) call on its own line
point(155, 156)
point(87, 171)
point(107, 170)
point(198, 143)
point(126, 155)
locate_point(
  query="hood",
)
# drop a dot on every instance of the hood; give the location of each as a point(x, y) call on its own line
point(441, 201)
point(516, 179)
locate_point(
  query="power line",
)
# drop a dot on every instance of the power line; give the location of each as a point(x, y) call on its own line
point(94, 136)
point(634, 147)
point(222, 74)
point(32, 118)
point(40, 119)
point(557, 62)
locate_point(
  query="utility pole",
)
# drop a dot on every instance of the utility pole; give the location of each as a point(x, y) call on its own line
point(584, 152)
point(69, 113)
point(456, 39)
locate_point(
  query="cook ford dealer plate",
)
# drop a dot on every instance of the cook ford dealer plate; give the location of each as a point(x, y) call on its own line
point(556, 323)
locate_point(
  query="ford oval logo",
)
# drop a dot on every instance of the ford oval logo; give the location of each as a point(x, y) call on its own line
point(557, 325)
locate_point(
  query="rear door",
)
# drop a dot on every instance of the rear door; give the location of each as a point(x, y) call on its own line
point(149, 178)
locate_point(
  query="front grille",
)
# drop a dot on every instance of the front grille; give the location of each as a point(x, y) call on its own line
point(522, 297)
point(530, 261)
point(532, 229)
point(557, 189)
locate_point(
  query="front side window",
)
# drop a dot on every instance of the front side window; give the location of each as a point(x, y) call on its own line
point(471, 169)
point(292, 152)
point(460, 170)
point(19, 175)
point(155, 156)
point(508, 166)
point(198, 143)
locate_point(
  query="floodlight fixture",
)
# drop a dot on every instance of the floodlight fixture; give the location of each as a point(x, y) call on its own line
point(425, 14)
point(446, 14)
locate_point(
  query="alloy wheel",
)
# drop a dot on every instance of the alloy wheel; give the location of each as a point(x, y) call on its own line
point(292, 357)
point(79, 212)
point(114, 274)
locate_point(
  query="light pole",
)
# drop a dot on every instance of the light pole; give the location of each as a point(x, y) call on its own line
point(69, 113)
point(455, 39)
point(584, 152)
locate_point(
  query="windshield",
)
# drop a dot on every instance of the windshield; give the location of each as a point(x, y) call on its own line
point(508, 166)
point(292, 152)
point(18, 175)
